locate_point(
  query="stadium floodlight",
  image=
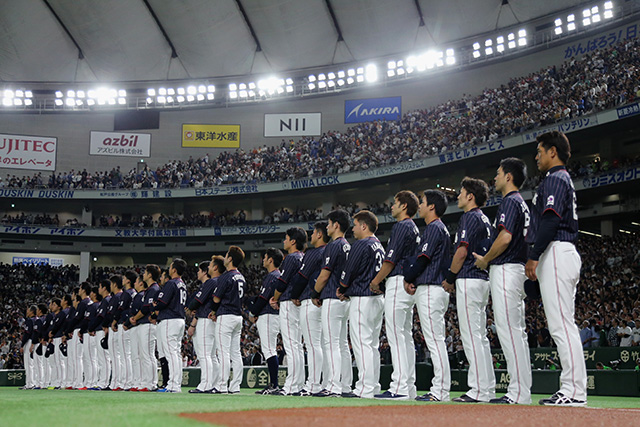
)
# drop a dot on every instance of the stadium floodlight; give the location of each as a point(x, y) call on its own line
point(210, 96)
point(70, 102)
point(571, 26)
point(28, 102)
point(79, 102)
point(586, 13)
point(150, 92)
point(162, 100)
point(522, 42)
point(180, 91)
point(122, 93)
point(233, 87)
point(371, 73)
point(202, 89)
point(280, 89)
point(359, 78)
point(28, 94)
point(19, 93)
point(410, 70)
point(331, 83)
point(242, 86)
point(488, 51)
point(289, 81)
point(488, 42)
point(571, 17)
point(289, 88)
point(360, 70)
point(340, 82)
point(499, 48)
point(59, 102)
point(558, 22)
point(391, 73)
point(586, 22)
point(312, 86)
point(191, 90)
point(341, 74)
point(233, 95)
point(522, 33)
point(594, 10)
point(8, 103)
point(252, 94)
point(180, 99)
point(476, 54)
point(595, 18)
point(17, 101)
point(211, 88)
point(171, 91)
point(400, 71)
point(92, 101)
point(190, 98)
point(450, 52)
point(149, 100)
point(351, 72)
point(512, 44)
point(608, 5)
point(322, 84)
point(476, 46)
point(8, 93)
point(511, 36)
point(162, 91)
point(558, 31)
point(80, 94)
point(608, 14)
point(391, 65)
point(243, 94)
point(311, 78)
point(252, 85)
point(58, 94)
point(101, 101)
point(350, 80)
point(500, 40)
point(321, 76)
point(331, 75)
point(122, 101)
point(200, 97)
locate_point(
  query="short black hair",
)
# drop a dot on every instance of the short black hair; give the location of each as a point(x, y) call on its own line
point(517, 168)
point(105, 284)
point(438, 199)
point(43, 308)
point(219, 262)
point(131, 275)
point(478, 188)
point(368, 218)
point(298, 235)
point(322, 227)
point(68, 299)
point(410, 199)
point(32, 308)
point(154, 271)
point(559, 140)
point(95, 290)
point(276, 255)
point(180, 265)
point(236, 254)
point(86, 287)
point(341, 217)
point(57, 301)
point(117, 279)
point(204, 267)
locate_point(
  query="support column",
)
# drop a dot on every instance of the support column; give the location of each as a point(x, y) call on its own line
point(85, 265)
point(606, 227)
point(257, 208)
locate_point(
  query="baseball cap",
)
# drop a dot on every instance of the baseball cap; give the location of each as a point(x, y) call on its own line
point(50, 350)
point(104, 343)
point(63, 349)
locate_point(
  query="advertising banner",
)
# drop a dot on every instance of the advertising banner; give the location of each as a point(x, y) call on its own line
point(28, 152)
point(367, 110)
point(216, 136)
point(292, 124)
point(120, 144)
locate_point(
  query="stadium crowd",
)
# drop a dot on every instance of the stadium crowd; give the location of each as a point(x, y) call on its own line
point(608, 300)
point(599, 80)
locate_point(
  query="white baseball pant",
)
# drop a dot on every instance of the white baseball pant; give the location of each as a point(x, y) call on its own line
point(28, 365)
point(204, 345)
point(72, 361)
point(136, 363)
point(147, 353)
point(115, 367)
point(118, 357)
point(89, 363)
point(335, 314)
point(507, 294)
point(268, 328)
point(59, 362)
point(127, 352)
point(103, 361)
point(311, 325)
point(432, 302)
point(171, 332)
point(78, 374)
point(559, 272)
point(292, 341)
point(398, 318)
point(365, 322)
point(228, 330)
point(52, 369)
point(39, 378)
point(472, 297)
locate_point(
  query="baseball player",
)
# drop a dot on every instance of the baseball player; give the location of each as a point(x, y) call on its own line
point(128, 280)
point(72, 359)
point(170, 306)
point(335, 312)
point(366, 307)
point(36, 347)
point(203, 329)
point(472, 290)
point(131, 329)
point(310, 315)
point(60, 308)
point(226, 311)
point(27, 360)
point(554, 230)
point(102, 354)
point(294, 242)
point(424, 281)
point(268, 323)
point(89, 351)
point(398, 304)
point(147, 330)
point(82, 357)
point(507, 257)
point(51, 370)
point(115, 339)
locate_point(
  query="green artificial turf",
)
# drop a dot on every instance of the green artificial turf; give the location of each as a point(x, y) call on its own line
point(96, 408)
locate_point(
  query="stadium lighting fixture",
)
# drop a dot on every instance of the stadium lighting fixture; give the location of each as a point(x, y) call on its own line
point(58, 102)
point(359, 78)
point(499, 48)
point(151, 92)
point(321, 76)
point(70, 102)
point(80, 94)
point(191, 90)
point(202, 89)
point(351, 72)
point(340, 82)
point(162, 91)
point(7, 102)
point(243, 94)
point(58, 94)
point(180, 99)
point(180, 91)
point(71, 94)
point(252, 85)
point(8, 93)
point(476, 54)
point(280, 90)
point(91, 101)
point(171, 91)
point(28, 94)
point(608, 14)
point(200, 97)
point(400, 70)
point(122, 93)
point(79, 102)
point(289, 88)
point(211, 88)
point(331, 75)
point(322, 84)
point(341, 74)
point(312, 86)
point(17, 101)
point(233, 95)
point(391, 73)
point(233, 87)
point(242, 86)
point(252, 94)
point(350, 80)
point(190, 98)
point(149, 100)
point(488, 51)
point(360, 70)
point(289, 81)
point(210, 96)
point(122, 101)
point(522, 37)
point(391, 65)
point(488, 42)
point(311, 78)
point(28, 102)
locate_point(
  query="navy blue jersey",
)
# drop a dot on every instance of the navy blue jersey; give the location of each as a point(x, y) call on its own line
point(150, 295)
point(28, 330)
point(136, 306)
point(288, 269)
point(513, 217)
point(310, 269)
point(68, 323)
point(230, 290)
point(38, 327)
point(89, 315)
point(556, 193)
point(203, 296)
point(58, 323)
point(335, 257)
point(101, 312)
point(79, 315)
point(363, 263)
point(124, 304)
point(267, 289)
point(48, 323)
point(113, 307)
point(436, 246)
point(474, 232)
point(402, 246)
point(172, 299)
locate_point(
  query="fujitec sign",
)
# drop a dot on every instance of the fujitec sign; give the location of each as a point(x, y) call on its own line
point(28, 152)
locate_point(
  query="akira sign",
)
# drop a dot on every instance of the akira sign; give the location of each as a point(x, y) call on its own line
point(28, 152)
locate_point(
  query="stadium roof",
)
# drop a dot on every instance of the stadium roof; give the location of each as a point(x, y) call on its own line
point(146, 40)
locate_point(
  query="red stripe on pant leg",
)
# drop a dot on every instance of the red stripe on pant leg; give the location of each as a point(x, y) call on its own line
point(473, 346)
point(513, 344)
point(566, 332)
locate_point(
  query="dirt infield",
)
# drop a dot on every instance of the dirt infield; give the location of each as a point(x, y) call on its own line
point(449, 415)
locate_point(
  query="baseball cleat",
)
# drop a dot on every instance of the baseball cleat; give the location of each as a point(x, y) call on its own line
point(266, 391)
point(161, 390)
point(326, 393)
point(233, 392)
point(504, 400)
point(349, 395)
point(391, 396)
point(465, 399)
point(279, 392)
point(427, 398)
point(143, 389)
point(302, 392)
point(195, 390)
point(213, 391)
point(560, 399)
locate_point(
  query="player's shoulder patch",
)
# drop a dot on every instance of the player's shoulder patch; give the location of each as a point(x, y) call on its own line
point(550, 201)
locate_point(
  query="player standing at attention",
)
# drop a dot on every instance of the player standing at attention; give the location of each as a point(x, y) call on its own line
point(130, 328)
point(115, 339)
point(335, 313)
point(365, 307)
point(104, 361)
point(203, 329)
point(268, 323)
point(26, 346)
point(122, 314)
point(472, 290)
point(170, 307)
point(310, 315)
point(89, 361)
point(67, 337)
point(294, 241)
point(507, 257)
point(554, 229)
point(82, 360)
point(58, 371)
point(226, 311)
point(424, 280)
point(398, 304)
point(36, 346)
